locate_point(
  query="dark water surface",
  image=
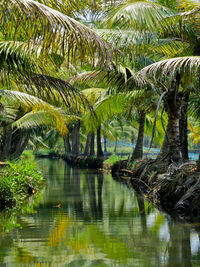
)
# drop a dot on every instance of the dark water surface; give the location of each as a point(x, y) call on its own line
point(87, 219)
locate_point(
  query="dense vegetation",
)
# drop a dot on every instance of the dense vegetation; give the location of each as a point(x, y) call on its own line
point(19, 180)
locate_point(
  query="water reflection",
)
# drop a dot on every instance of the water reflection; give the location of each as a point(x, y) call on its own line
point(179, 247)
point(88, 219)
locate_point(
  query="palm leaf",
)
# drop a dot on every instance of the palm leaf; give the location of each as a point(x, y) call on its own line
point(170, 67)
point(40, 118)
point(51, 29)
point(139, 14)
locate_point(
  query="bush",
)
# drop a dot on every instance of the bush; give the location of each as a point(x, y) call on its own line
point(19, 180)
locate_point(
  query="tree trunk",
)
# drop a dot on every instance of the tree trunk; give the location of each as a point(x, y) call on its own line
point(99, 147)
point(183, 128)
point(174, 104)
point(92, 145)
point(174, 138)
point(20, 144)
point(105, 144)
point(138, 151)
point(67, 144)
point(87, 145)
point(115, 148)
point(165, 147)
point(75, 139)
point(13, 143)
point(198, 164)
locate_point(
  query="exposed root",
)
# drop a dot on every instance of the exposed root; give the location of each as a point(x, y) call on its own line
point(176, 189)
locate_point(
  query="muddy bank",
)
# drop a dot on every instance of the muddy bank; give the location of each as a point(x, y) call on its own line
point(84, 162)
point(175, 189)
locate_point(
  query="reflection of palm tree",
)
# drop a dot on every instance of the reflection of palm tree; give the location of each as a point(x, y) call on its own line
point(67, 178)
point(78, 201)
point(92, 194)
point(140, 200)
point(179, 246)
point(100, 186)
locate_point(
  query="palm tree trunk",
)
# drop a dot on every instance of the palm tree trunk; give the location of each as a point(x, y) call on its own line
point(105, 144)
point(87, 145)
point(165, 147)
point(138, 151)
point(99, 147)
point(92, 145)
point(174, 138)
point(115, 148)
point(183, 128)
point(13, 143)
point(20, 144)
point(198, 164)
point(174, 102)
point(175, 144)
point(75, 139)
point(67, 144)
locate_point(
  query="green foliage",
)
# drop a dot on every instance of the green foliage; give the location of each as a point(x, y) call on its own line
point(18, 181)
point(114, 158)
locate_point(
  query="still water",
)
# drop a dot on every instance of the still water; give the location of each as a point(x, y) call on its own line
point(86, 218)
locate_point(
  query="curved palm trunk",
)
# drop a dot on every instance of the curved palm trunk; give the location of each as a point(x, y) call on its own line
point(99, 147)
point(75, 139)
point(138, 151)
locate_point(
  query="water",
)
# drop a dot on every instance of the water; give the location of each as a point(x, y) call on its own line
point(87, 219)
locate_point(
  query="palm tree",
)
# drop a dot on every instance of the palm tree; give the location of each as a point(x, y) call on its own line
point(22, 114)
point(176, 34)
point(27, 52)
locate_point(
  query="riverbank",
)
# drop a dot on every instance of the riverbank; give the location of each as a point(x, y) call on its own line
point(19, 180)
point(81, 161)
point(174, 189)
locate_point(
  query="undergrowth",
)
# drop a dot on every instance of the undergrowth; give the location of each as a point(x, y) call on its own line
point(19, 180)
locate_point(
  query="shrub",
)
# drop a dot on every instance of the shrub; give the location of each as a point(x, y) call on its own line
point(18, 180)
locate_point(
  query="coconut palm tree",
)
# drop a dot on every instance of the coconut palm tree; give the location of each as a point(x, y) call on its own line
point(35, 37)
point(176, 34)
point(22, 114)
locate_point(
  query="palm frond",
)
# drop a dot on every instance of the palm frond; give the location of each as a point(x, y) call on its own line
point(105, 109)
point(170, 67)
point(40, 118)
point(188, 5)
point(20, 98)
point(93, 94)
point(139, 14)
point(51, 29)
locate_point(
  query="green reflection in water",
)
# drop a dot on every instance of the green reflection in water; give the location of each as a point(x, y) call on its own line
point(87, 219)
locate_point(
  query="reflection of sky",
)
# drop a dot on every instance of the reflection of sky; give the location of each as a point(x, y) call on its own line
point(151, 219)
point(164, 232)
point(195, 244)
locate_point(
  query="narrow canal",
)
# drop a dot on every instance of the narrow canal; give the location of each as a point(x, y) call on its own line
point(86, 218)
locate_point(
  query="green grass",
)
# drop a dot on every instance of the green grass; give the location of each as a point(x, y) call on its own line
point(107, 164)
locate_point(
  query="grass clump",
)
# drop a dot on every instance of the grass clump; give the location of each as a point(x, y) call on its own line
point(18, 181)
point(108, 163)
point(113, 159)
